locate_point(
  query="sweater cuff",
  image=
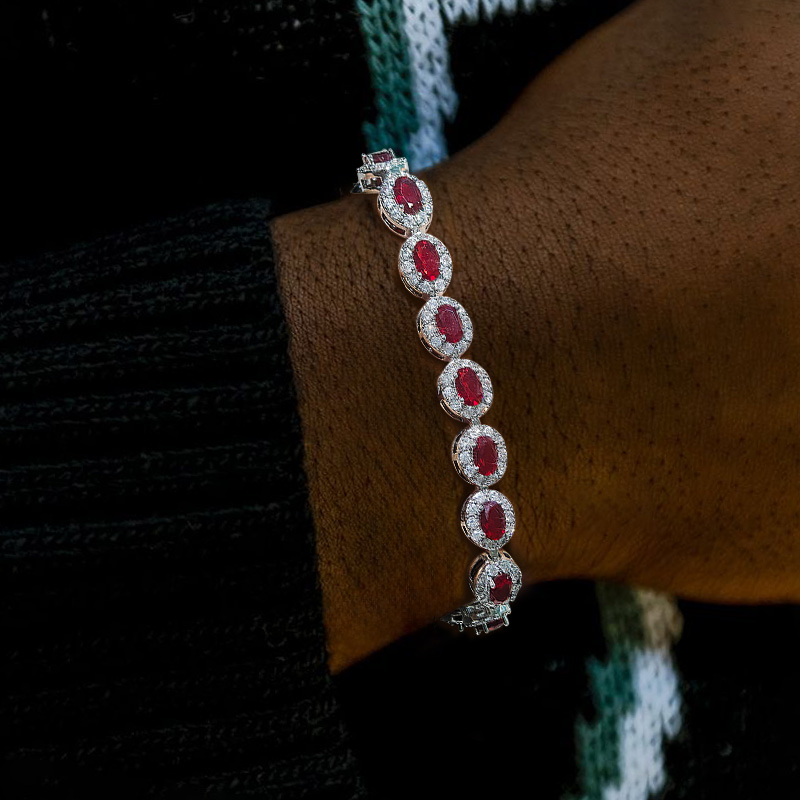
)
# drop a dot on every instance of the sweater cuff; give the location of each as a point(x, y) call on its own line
point(165, 632)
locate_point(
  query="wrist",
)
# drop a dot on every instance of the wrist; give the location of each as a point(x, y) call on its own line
point(636, 378)
point(385, 499)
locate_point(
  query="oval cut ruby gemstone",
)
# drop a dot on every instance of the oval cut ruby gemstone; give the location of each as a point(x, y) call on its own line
point(449, 324)
point(382, 157)
point(426, 259)
point(468, 386)
point(493, 520)
point(484, 455)
point(501, 590)
point(407, 195)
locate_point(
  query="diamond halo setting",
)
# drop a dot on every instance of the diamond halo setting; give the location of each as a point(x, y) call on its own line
point(408, 264)
point(444, 327)
point(465, 390)
point(495, 581)
point(487, 519)
point(412, 216)
point(480, 456)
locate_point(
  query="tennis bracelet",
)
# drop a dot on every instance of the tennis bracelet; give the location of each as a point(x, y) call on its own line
point(464, 388)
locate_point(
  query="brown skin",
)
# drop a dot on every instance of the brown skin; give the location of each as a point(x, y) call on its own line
point(632, 268)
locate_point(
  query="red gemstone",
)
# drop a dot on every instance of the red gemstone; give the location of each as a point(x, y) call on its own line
point(468, 386)
point(382, 157)
point(449, 324)
point(493, 520)
point(407, 195)
point(495, 624)
point(426, 259)
point(484, 455)
point(502, 588)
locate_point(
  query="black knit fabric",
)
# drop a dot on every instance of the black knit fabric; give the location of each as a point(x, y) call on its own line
point(163, 615)
point(739, 668)
point(123, 111)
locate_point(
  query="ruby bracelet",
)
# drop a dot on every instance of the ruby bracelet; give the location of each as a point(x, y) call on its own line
point(464, 388)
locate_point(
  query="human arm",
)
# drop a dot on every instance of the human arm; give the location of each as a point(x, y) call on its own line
point(626, 242)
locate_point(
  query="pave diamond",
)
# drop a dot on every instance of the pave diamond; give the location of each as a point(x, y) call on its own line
point(405, 203)
point(416, 264)
point(440, 332)
point(456, 387)
point(495, 579)
point(485, 514)
point(480, 455)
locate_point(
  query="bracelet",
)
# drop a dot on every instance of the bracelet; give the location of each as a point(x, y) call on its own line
point(464, 388)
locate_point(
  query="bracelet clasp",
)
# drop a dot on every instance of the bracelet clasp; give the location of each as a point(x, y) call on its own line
point(372, 172)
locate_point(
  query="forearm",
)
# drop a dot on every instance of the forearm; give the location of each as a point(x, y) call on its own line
point(628, 252)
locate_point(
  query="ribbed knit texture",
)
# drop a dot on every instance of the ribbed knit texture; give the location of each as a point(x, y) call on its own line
point(163, 614)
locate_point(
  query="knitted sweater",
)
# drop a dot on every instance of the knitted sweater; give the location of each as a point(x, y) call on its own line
point(164, 632)
point(163, 629)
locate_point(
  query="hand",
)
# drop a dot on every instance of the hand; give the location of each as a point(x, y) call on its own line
point(627, 242)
